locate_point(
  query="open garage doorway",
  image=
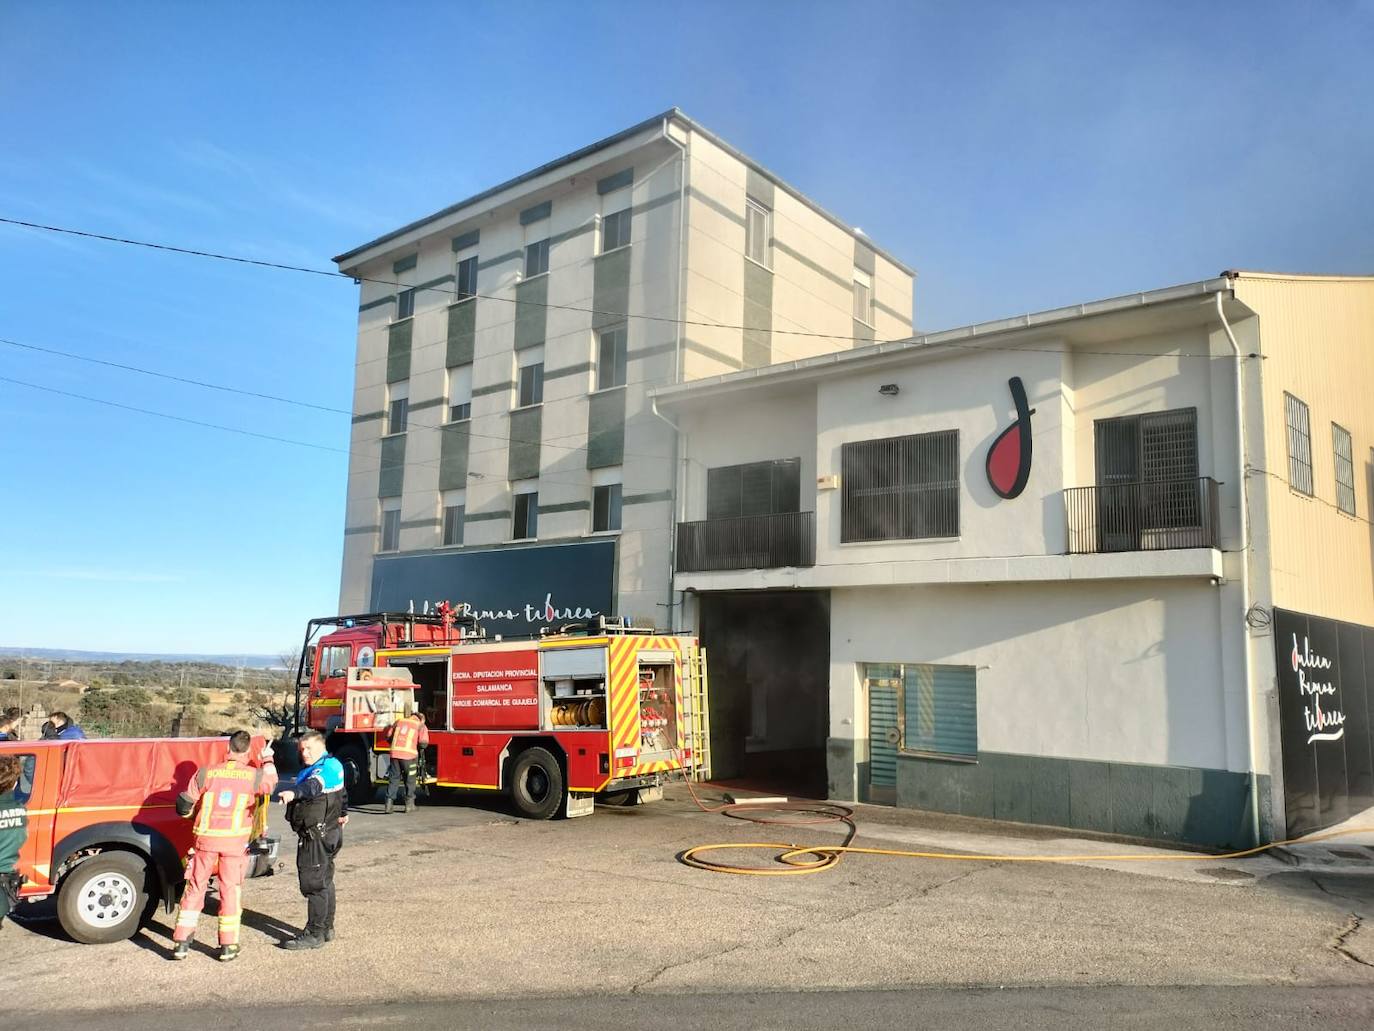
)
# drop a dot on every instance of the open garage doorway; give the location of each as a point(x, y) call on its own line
point(768, 654)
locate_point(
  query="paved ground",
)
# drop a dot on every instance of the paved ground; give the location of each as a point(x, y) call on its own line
point(460, 903)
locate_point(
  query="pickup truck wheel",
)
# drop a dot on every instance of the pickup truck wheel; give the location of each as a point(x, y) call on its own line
point(104, 899)
point(536, 784)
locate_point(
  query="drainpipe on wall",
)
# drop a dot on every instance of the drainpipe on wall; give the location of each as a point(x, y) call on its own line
point(677, 358)
point(1243, 464)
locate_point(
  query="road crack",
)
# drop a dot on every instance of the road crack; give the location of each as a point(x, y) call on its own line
point(1352, 924)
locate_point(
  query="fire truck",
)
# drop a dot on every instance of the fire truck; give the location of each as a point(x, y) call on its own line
point(600, 710)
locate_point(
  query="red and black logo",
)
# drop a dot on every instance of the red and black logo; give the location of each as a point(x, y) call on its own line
point(1009, 458)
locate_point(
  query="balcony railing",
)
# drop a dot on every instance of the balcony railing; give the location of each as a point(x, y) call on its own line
point(747, 542)
point(1155, 516)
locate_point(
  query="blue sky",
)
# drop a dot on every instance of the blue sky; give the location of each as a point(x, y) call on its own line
point(1018, 156)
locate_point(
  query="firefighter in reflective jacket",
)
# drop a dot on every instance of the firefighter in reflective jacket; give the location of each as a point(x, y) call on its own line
point(224, 798)
point(408, 739)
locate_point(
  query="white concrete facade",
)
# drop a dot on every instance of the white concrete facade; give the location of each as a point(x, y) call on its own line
point(1136, 666)
point(685, 298)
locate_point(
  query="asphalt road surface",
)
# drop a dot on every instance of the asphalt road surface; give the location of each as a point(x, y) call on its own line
point(460, 915)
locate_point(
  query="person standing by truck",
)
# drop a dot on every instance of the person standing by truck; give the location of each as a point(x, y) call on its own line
point(316, 809)
point(61, 728)
point(409, 739)
point(13, 829)
point(224, 798)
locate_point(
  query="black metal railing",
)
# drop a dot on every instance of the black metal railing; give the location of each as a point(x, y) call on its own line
point(1152, 516)
point(747, 542)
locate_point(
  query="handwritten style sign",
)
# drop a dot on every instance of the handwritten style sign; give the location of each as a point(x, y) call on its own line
point(1323, 724)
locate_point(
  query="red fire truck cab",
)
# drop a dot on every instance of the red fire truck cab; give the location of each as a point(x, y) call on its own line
point(598, 711)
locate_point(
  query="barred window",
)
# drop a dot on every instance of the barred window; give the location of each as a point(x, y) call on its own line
point(756, 488)
point(1299, 444)
point(1345, 468)
point(900, 488)
point(455, 508)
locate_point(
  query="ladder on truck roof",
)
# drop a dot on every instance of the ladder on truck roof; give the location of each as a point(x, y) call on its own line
point(698, 714)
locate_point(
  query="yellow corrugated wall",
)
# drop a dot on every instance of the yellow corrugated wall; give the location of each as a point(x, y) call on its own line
point(1317, 335)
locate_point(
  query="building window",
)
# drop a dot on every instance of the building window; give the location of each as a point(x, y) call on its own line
point(391, 526)
point(405, 304)
point(459, 393)
point(1345, 468)
point(454, 509)
point(1147, 475)
point(863, 296)
point(398, 408)
point(757, 488)
point(1299, 444)
point(611, 358)
point(932, 709)
point(615, 230)
point(465, 279)
point(536, 258)
point(531, 384)
point(526, 523)
point(606, 507)
point(900, 488)
point(758, 233)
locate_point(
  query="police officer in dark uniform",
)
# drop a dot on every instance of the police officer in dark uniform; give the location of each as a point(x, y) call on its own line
point(317, 809)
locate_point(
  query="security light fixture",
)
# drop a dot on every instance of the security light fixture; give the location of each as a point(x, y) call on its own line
point(889, 390)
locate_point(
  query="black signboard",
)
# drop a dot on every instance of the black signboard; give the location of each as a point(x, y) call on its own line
point(1326, 689)
point(511, 591)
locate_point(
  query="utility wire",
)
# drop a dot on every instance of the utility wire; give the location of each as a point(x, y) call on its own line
point(454, 292)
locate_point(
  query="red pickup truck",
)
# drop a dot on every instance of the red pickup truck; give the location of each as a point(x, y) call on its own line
point(103, 832)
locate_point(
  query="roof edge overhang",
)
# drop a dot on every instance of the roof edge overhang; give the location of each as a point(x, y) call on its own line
point(358, 255)
point(961, 340)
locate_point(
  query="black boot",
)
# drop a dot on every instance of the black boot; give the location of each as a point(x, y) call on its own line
point(304, 940)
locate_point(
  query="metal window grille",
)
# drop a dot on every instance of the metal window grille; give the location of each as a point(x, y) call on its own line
point(465, 282)
point(531, 384)
point(1147, 472)
point(391, 529)
point(611, 363)
point(400, 411)
point(526, 516)
point(1299, 444)
point(757, 238)
point(1345, 468)
point(536, 258)
point(405, 304)
point(756, 488)
point(615, 230)
point(606, 507)
point(900, 488)
point(453, 525)
point(934, 707)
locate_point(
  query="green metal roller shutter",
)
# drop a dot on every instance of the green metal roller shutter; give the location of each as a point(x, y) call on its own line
point(940, 710)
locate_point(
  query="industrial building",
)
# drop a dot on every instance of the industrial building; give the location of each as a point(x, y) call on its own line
point(1104, 567)
point(504, 451)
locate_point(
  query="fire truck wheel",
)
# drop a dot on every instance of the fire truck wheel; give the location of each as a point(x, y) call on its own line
point(536, 784)
point(357, 775)
point(104, 899)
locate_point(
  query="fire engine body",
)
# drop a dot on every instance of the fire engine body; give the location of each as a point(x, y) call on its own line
point(555, 722)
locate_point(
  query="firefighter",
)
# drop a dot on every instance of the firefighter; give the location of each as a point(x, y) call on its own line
point(226, 795)
point(317, 809)
point(13, 830)
point(409, 738)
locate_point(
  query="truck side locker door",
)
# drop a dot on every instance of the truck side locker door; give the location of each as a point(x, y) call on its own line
point(41, 774)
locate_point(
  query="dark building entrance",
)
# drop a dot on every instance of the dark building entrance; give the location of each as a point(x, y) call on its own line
point(768, 655)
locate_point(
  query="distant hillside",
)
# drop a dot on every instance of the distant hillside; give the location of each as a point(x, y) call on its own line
point(70, 655)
